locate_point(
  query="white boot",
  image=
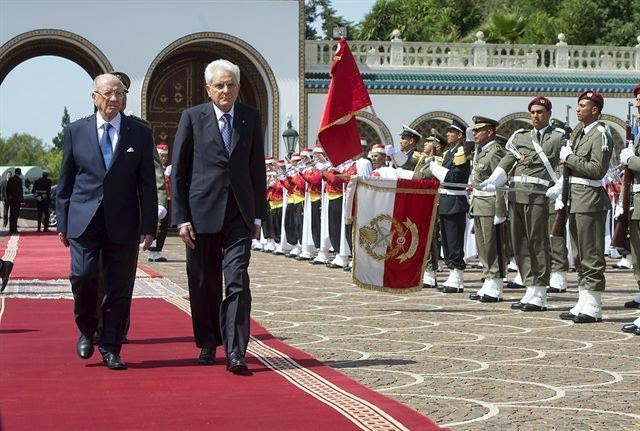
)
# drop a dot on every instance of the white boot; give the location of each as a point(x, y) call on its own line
point(321, 258)
point(591, 307)
point(528, 294)
point(538, 299)
point(455, 282)
point(492, 290)
point(295, 251)
point(624, 263)
point(339, 262)
point(512, 267)
point(517, 281)
point(486, 285)
point(256, 245)
point(577, 309)
point(429, 279)
point(270, 246)
point(558, 282)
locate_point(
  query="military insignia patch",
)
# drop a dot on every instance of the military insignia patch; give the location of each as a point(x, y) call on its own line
point(386, 238)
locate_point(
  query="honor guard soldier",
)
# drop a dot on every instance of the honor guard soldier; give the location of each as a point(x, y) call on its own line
point(432, 150)
point(534, 157)
point(42, 192)
point(630, 157)
point(588, 161)
point(453, 205)
point(295, 198)
point(488, 209)
point(408, 142)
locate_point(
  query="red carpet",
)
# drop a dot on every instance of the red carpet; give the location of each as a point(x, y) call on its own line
point(41, 256)
point(44, 386)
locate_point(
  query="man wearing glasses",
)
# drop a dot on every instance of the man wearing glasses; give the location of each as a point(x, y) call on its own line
point(106, 198)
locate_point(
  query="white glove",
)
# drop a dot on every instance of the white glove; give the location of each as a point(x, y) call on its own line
point(498, 220)
point(167, 171)
point(564, 152)
point(554, 191)
point(399, 158)
point(497, 179)
point(389, 150)
point(618, 211)
point(625, 155)
point(558, 205)
point(438, 171)
point(162, 212)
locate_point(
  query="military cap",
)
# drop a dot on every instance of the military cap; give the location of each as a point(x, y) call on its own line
point(308, 152)
point(280, 162)
point(408, 131)
point(636, 90)
point(542, 101)
point(378, 148)
point(437, 137)
point(295, 157)
point(162, 148)
point(457, 125)
point(268, 160)
point(596, 98)
point(124, 78)
point(318, 149)
point(480, 122)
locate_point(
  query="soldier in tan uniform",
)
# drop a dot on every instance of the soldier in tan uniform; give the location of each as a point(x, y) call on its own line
point(432, 145)
point(489, 211)
point(588, 160)
point(533, 155)
point(630, 156)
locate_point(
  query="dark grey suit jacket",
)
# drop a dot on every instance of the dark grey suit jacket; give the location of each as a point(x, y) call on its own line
point(202, 174)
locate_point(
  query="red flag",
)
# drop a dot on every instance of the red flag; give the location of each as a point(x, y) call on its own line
point(338, 133)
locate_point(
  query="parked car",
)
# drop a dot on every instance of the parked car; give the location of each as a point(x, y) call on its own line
point(29, 210)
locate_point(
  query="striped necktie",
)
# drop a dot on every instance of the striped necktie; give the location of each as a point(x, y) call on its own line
point(226, 132)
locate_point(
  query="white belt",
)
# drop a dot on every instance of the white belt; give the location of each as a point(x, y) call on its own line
point(530, 180)
point(453, 192)
point(635, 188)
point(585, 182)
point(482, 193)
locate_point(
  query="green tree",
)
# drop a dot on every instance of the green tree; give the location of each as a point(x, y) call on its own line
point(21, 149)
point(504, 27)
point(59, 138)
point(323, 10)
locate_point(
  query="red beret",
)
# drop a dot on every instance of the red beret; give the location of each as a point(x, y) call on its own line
point(542, 101)
point(594, 97)
point(162, 148)
point(636, 90)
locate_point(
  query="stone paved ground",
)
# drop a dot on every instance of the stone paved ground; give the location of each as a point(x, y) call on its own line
point(466, 365)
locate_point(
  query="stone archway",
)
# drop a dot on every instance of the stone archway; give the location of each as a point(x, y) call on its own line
point(372, 129)
point(438, 120)
point(513, 122)
point(175, 81)
point(54, 42)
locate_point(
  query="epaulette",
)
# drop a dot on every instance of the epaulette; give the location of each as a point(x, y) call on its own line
point(497, 146)
point(460, 158)
point(417, 155)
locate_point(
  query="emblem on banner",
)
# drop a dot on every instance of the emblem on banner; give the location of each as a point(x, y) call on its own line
point(387, 238)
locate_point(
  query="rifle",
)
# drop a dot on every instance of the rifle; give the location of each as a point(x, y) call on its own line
point(620, 239)
point(560, 222)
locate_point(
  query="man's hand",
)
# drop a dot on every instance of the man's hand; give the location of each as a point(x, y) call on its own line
point(499, 220)
point(625, 155)
point(188, 236)
point(162, 212)
point(554, 191)
point(565, 152)
point(63, 239)
point(256, 231)
point(146, 241)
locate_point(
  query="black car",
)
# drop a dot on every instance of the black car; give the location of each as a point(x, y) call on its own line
point(29, 209)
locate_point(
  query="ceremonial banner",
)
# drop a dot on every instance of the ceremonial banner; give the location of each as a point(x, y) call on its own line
point(338, 133)
point(392, 232)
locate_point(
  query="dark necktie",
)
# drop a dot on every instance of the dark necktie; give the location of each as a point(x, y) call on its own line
point(105, 145)
point(226, 132)
point(539, 136)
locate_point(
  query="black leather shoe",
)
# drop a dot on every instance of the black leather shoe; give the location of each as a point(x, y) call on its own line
point(5, 271)
point(84, 347)
point(567, 315)
point(555, 290)
point(487, 298)
point(585, 318)
point(317, 262)
point(429, 286)
point(236, 363)
point(207, 356)
point(512, 285)
point(347, 268)
point(451, 289)
point(474, 296)
point(333, 265)
point(628, 304)
point(517, 305)
point(113, 361)
point(631, 329)
point(533, 307)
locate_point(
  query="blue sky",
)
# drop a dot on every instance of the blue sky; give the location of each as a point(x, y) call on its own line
point(34, 94)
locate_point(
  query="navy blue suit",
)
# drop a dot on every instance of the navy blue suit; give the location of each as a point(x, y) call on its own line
point(220, 195)
point(103, 212)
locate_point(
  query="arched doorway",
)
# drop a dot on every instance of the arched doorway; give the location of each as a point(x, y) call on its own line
point(175, 81)
point(58, 43)
point(438, 120)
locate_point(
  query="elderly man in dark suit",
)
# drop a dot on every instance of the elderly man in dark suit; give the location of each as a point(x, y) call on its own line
point(106, 204)
point(218, 182)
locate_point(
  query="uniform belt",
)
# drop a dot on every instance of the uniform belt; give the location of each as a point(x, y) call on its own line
point(453, 192)
point(482, 193)
point(585, 181)
point(635, 188)
point(530, 180)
